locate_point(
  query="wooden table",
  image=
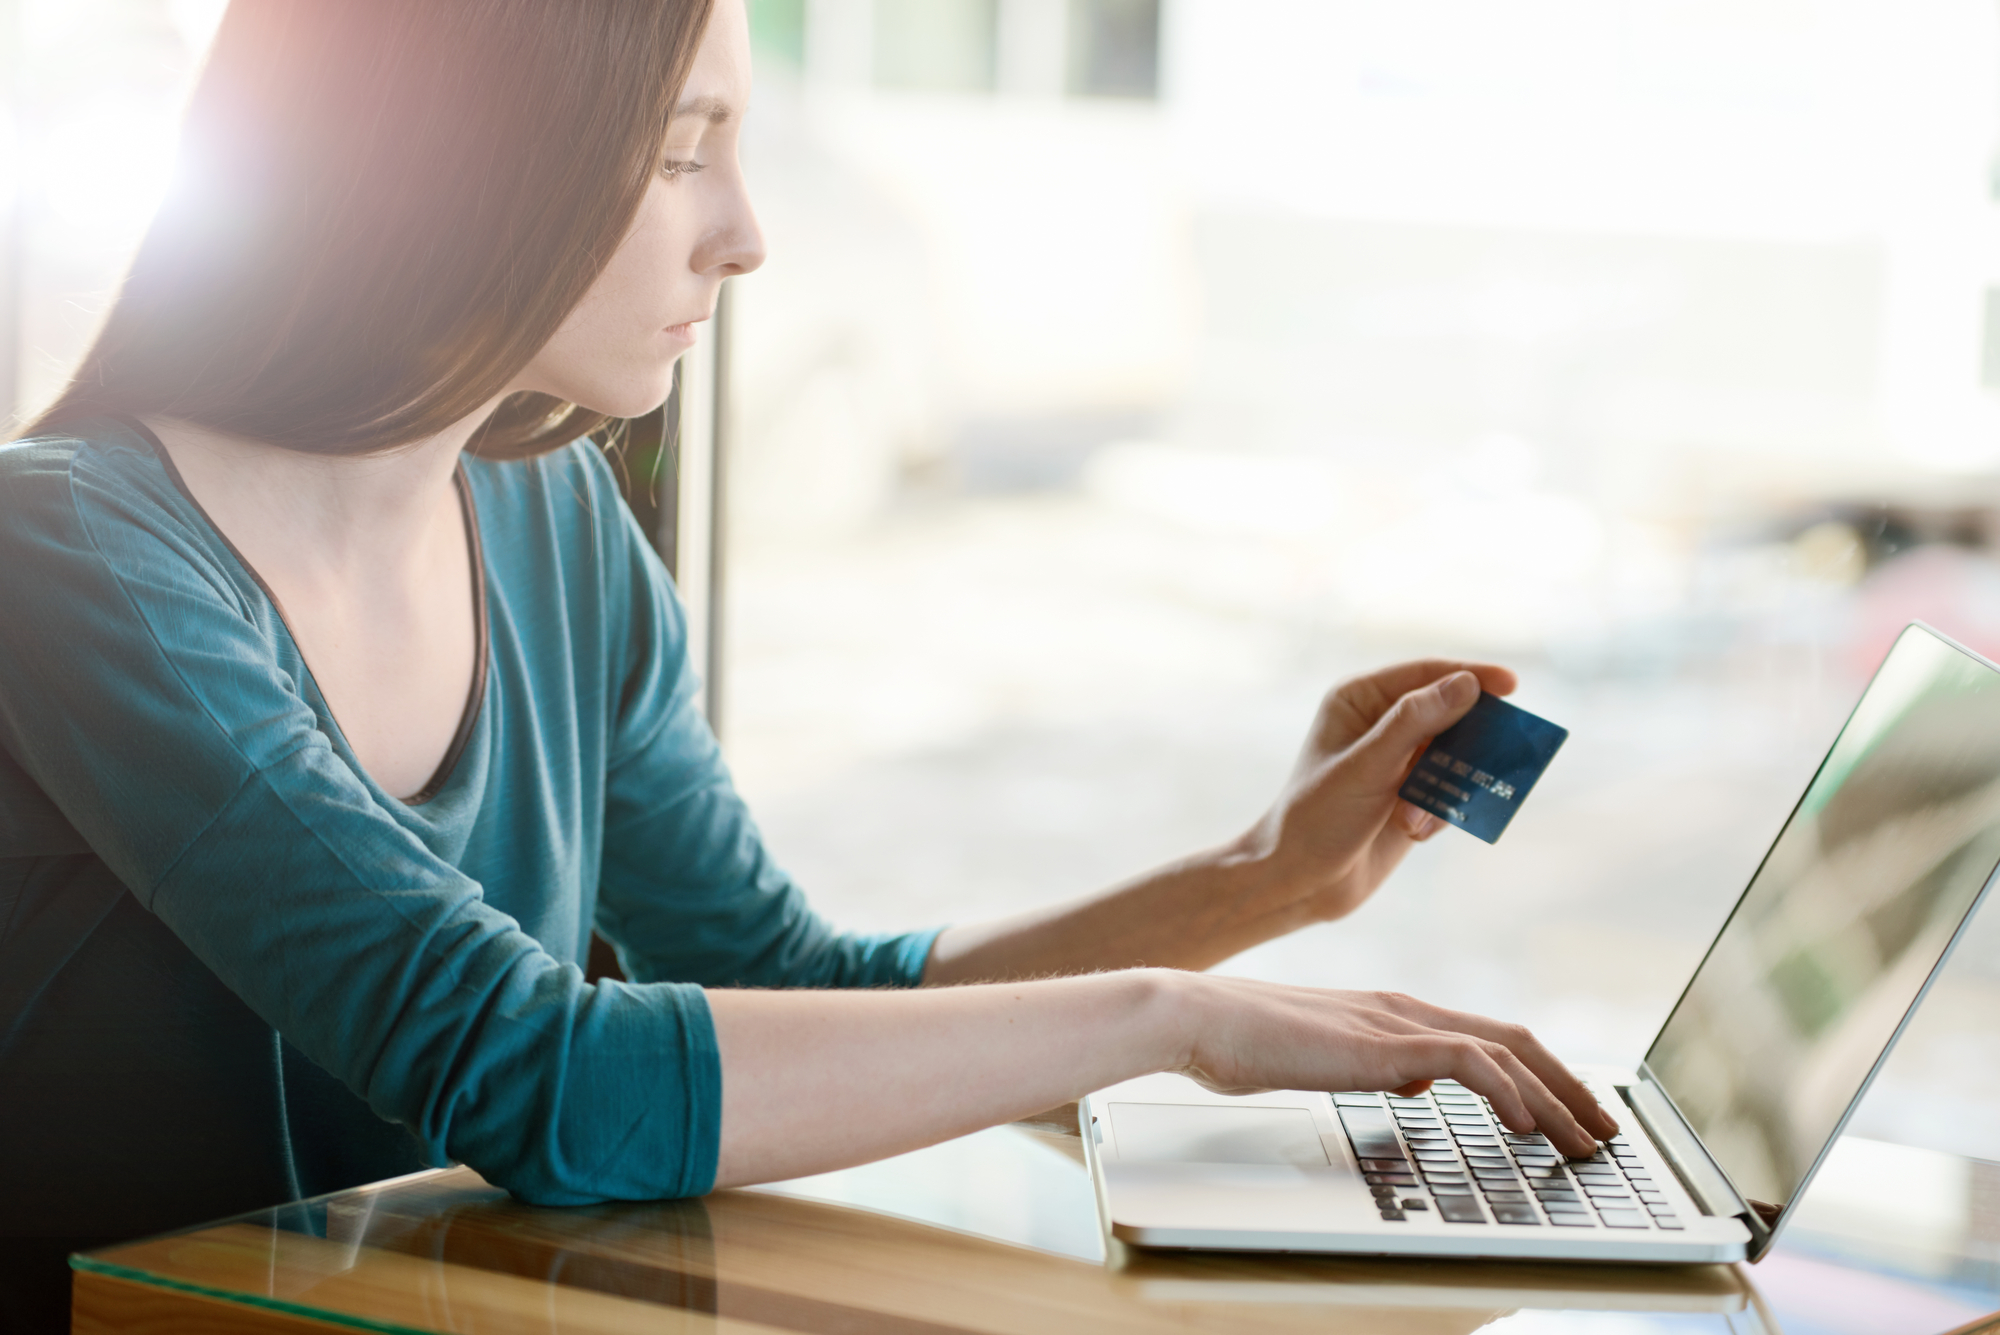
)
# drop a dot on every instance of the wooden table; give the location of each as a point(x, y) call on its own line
point(998, 1232)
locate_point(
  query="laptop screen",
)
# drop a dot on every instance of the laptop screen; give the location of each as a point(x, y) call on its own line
point(1856, 903)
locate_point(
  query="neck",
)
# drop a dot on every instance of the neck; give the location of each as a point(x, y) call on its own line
point(336, 511)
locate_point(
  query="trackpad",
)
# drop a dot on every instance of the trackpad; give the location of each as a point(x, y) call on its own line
point(1197, 1133)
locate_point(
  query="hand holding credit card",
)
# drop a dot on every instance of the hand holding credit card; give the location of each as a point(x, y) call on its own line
point(1476, 773)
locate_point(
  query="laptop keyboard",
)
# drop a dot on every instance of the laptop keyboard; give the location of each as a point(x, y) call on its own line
point(1445, 1150)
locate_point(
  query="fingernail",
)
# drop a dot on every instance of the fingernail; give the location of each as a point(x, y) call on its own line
point(1460, 687)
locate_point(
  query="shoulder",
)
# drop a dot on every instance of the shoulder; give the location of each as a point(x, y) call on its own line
point(563, 506)
point(94, 490)
point(573, 485)
point(39, 470)
point(557, 524)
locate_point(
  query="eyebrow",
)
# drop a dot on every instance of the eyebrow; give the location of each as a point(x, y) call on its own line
point(713, 109)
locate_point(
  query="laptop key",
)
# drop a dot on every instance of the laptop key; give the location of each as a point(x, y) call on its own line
point(1415, 1203)
point(1370, 1132)
point(1393, 1214)
point(1668, 1221)
point(1390, 1179)
point(1622, 1218)
point(1571, 1220)
point(1460, 1210)
point(1395, 1165)
point(1515, 1214)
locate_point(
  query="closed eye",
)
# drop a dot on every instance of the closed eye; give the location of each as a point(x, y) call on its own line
point(674, 167)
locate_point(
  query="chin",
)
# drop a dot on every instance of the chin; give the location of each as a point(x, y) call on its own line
point(632, 398)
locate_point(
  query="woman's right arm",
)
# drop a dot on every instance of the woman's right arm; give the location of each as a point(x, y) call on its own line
point(813, 1081)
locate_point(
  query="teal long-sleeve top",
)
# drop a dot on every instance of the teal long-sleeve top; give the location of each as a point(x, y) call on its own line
point(235, 971)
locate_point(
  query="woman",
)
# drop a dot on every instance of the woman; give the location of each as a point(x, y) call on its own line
point(340, 700)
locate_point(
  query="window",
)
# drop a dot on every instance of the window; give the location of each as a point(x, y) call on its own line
point(935, 45)
point(1114, 48)
point(1084, 436)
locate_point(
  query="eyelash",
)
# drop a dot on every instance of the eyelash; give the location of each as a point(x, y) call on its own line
point(672, 168)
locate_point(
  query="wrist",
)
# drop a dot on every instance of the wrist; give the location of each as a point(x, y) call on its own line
point(1267, 881)
point(1164, 1005)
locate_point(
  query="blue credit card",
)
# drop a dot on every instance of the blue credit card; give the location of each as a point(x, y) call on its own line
point(1476, 773)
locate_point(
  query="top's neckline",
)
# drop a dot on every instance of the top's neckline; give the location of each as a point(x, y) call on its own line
point(475, 699)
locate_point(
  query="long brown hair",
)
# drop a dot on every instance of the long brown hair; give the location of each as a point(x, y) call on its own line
point(383, 211)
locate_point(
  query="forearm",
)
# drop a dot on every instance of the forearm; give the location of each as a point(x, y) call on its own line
point(1191, 914)
point(818, 1080)
point(1336, 831)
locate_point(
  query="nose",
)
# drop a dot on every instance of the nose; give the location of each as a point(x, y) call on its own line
point(735, 244)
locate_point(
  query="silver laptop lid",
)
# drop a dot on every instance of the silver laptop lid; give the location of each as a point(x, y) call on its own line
point(1827, 953)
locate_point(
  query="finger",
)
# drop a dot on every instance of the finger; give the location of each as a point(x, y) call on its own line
point(1364, 699)
point(1382, 756)
point(1417, 823)
point(1552, 1117)
point(1548, 1072)
point(1472, 1063)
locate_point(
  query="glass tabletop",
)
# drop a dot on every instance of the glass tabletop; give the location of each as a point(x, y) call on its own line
point(998, 1232)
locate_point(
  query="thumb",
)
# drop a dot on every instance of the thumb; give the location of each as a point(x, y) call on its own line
point(1416, 717)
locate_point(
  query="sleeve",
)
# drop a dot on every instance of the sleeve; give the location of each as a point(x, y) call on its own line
point(138, 692)
point(688, 891)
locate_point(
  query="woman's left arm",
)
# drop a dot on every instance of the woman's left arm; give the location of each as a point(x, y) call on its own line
point(1335, 832)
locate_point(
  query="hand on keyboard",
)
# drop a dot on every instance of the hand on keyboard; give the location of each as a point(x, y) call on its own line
point(1445, 1143)
point(1243, 1035)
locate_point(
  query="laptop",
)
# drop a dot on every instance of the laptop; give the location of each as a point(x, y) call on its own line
point(1774, 1040)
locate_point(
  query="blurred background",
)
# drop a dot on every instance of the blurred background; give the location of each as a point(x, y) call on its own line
point(1126, 372)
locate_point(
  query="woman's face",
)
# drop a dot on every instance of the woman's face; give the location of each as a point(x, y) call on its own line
point(615, 352)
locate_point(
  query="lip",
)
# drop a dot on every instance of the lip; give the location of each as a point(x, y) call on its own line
point(685, 329)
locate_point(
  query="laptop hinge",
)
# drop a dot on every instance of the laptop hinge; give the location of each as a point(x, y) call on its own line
point(1690, 1160)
